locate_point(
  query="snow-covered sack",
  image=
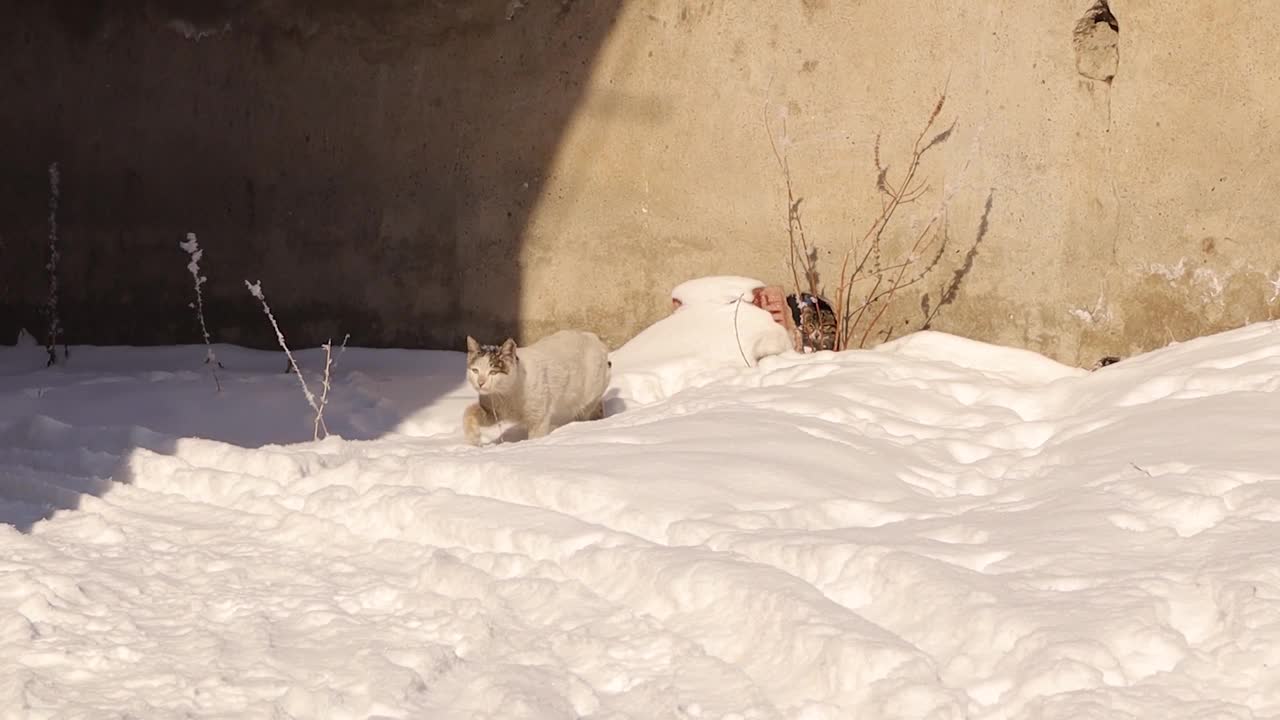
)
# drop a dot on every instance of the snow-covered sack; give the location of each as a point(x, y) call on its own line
point(716, 325)
point(715, 290)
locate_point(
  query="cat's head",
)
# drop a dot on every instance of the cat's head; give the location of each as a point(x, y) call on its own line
point(492, 369)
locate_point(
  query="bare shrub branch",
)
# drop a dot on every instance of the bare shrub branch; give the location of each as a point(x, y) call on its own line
point(317, 404)
point(330, 364)
point(802, 256)
point(869, 275)
point(192, 247)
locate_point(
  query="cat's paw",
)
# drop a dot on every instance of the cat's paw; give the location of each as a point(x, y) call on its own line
point(472, 420)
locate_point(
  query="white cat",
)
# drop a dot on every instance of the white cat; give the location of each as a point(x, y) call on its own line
point(553, 382)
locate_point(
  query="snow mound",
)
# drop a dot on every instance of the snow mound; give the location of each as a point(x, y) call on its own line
point(933, 529)
point(715, 290)
point(716, 327)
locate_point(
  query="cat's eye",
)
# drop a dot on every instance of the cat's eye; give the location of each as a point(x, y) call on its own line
point(475, 371)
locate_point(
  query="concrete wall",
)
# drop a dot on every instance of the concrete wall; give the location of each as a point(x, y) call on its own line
point(411, 175)
point(373, 163)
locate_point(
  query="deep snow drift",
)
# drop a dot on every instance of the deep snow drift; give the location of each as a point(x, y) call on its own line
point(932, 529)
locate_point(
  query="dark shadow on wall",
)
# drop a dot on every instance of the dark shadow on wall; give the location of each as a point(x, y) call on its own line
point(373, 163)
point(948, 293)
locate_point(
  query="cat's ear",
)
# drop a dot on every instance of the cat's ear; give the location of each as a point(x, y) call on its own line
point(509, 347)
point(473, 347)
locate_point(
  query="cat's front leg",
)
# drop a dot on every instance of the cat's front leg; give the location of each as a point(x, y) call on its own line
point(475, 417)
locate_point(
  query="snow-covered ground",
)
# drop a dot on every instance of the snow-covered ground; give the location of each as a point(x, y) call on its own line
point(933, 529)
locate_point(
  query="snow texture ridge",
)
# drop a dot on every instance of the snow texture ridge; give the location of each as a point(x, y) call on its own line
point(936, 528)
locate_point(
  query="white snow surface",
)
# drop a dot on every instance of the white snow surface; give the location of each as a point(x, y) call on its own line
point(936, 528)
point(716, 325)
point(715, 289)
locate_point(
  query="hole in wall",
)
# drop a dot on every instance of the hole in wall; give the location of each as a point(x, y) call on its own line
point(1096, 39)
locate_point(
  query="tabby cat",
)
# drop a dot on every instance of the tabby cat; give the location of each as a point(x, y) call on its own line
point(815, 320)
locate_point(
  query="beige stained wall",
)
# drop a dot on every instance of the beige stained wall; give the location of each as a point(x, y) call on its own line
point(1119, 215)
point(413, 172)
